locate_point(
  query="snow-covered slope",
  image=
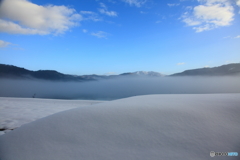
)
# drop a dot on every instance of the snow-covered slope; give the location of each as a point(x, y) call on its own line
point(143, 73)
point(150, 73)
point(153, 127)
point(15, 112)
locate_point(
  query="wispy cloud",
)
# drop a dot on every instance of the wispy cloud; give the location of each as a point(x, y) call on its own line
point(142, 12)
point(226, 37)
point(25, 17)
point(89, 15)
point(173, 4)
point(231, 37)
point(137, 3)
point(85, 31)
point(182, 63)
point(104, 10)
point(87, 12)
point(4, 44)
point(237, 36)
point(100, 34)
point(210, 14)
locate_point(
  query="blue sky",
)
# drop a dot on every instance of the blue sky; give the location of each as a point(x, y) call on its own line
point(116, 36)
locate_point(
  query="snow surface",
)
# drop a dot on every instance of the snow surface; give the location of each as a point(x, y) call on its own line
point(153, 127)
point(15, 112)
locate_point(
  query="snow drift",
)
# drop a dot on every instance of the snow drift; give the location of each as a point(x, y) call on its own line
point(150, 127)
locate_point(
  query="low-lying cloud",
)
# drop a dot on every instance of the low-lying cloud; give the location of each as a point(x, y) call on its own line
point(118, 88)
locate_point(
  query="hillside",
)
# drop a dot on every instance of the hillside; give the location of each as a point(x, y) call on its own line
point(224, 70)
point(10, 71)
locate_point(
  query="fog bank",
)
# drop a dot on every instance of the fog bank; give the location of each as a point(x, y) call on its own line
point(118, 88)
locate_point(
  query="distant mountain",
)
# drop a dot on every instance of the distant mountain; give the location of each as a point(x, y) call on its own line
point(10, 71)
point(143, 73)
point(224, 70)
point(13, 72)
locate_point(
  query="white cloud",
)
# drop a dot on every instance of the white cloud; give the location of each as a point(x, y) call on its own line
point(85, 31)
point(203, 28)
point(173, 4)
point(238, 2)
point(100, 34)
point(237, 36)
point(182, 63)
point(209, 15)
point(216, 14)
point(137, 3)
point(104, 10)
point(25, 17)
point(4, 44)
point(191, 21)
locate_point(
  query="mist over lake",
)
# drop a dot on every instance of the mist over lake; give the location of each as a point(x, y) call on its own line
point(118, 88)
